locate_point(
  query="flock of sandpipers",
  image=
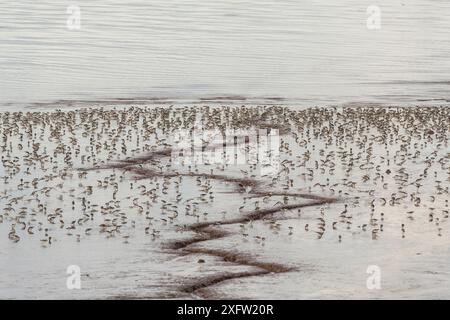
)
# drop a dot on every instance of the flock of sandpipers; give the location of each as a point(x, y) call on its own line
point(106, 171)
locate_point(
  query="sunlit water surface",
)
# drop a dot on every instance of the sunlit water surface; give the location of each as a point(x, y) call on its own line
point(311, 52)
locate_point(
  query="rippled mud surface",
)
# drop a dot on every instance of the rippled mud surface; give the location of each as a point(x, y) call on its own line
point(354, 187)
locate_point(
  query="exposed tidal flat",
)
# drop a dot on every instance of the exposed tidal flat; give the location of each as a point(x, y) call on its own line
point(355, 188)
point(302, 52)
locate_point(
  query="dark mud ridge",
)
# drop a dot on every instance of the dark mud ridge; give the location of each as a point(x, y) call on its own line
point(211, 230)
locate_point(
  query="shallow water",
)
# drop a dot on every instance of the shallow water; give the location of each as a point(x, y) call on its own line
point(311, 52)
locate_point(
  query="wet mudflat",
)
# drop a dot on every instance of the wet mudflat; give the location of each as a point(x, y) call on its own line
point(100, 188)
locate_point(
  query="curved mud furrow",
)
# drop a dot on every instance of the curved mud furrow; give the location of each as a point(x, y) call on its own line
point(203, 234)
point(203, 227)
point(257, 194)
point(143, 173)
point(261, 213)
point(200, 287)
point(241, 259)
point(207, 231)
point(138, 160)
